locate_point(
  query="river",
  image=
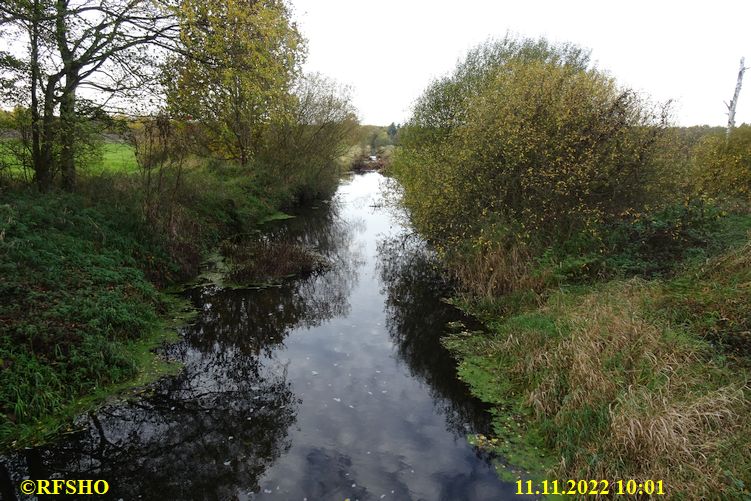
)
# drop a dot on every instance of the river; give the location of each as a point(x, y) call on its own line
point(328, 387)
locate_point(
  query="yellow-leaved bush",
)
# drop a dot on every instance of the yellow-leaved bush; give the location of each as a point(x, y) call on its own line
point(723, 163)
point(522, 147)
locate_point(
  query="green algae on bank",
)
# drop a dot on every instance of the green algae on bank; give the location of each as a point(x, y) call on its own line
point(521, 453)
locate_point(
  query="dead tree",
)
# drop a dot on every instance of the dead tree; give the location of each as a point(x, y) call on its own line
point(734, 101)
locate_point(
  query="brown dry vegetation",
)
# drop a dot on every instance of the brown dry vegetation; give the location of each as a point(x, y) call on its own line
point(499, 269)
point(617, 393)
point(263, 261)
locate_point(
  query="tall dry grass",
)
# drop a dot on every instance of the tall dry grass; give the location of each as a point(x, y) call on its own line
point(497, 270)
point(620, 395)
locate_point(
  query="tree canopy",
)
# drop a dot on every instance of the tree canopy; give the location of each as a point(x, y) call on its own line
point(243, 58)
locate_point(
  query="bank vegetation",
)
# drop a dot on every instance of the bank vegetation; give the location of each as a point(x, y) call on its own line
point(607, 253)
point(143, 135)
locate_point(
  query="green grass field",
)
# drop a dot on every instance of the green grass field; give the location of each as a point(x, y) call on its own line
point(112, 157)
point(115, 157)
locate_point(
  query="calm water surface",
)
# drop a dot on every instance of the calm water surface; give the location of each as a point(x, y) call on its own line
point(330, 387)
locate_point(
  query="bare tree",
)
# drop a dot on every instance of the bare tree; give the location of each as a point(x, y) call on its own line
point(734, 101)
point(105, 45)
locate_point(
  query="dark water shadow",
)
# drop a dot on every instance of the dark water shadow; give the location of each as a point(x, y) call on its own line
point(415, 284)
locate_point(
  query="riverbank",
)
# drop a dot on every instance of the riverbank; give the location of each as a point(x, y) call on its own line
point(82, 302)
point(644, 379)
point(608, 254)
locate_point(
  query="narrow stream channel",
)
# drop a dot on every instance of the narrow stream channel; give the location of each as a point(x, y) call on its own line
point(329, 387)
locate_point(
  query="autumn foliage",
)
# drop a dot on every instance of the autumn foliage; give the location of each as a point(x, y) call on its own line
point(525, 146)
point(723, 163)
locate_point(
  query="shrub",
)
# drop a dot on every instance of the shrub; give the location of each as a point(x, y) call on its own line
point(723, 163)
point(645, 244)
point(302, 149)
point(524, 146)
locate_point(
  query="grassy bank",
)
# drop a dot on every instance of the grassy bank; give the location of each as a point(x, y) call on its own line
point(81, 305)
point(606, 251)
point(625, 379)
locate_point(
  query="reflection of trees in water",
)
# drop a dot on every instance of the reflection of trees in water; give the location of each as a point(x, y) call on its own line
point(414, 283)
point(213, 430)
point(325, 230)
point(208, 433)
point(259, 320)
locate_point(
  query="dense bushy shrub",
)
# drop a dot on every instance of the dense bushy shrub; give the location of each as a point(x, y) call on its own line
point(723, 163)
point(523, 147)
point(645, 244)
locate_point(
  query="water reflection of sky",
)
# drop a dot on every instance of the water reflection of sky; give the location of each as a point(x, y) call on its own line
point(330, 387)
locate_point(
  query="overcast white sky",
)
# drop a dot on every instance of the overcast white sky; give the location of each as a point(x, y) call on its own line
point(389, 50)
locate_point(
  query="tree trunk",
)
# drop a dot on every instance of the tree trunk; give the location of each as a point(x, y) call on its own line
point(68, 133)
point(41, 169)
point(734, 101)
point(67, 98)
point(45, 160)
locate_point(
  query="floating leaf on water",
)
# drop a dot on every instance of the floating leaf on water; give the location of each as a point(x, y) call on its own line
point(337, 399)
point(314, 373)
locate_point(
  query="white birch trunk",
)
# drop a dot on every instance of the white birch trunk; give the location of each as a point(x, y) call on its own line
point(734, 101)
